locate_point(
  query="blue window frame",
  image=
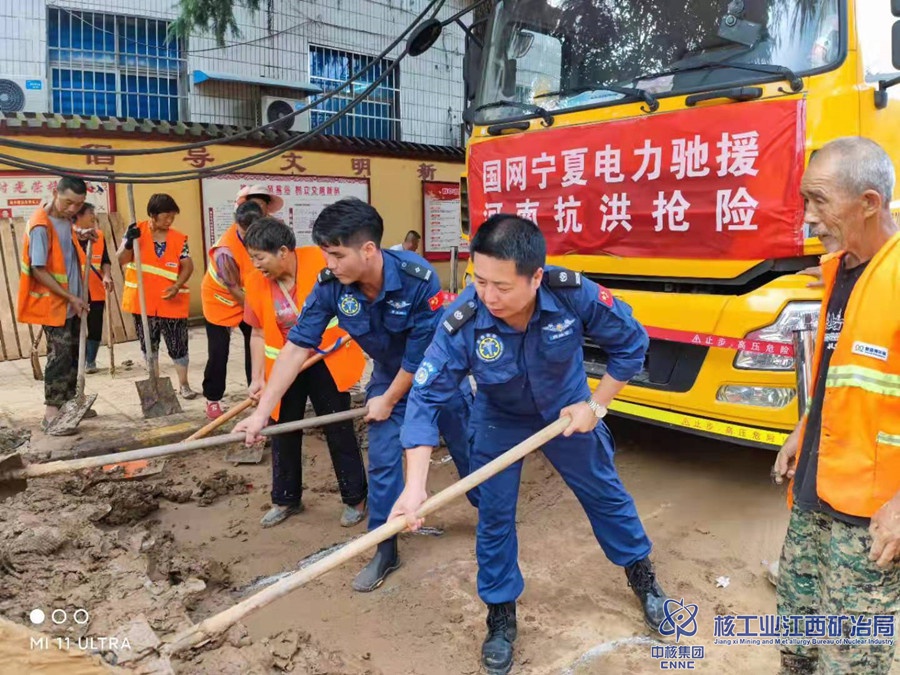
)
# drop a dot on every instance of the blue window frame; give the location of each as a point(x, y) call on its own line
point(378, 116)
point(109, 65)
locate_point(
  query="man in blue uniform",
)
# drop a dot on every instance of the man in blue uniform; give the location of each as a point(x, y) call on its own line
point(389, 302)
point(519, 329)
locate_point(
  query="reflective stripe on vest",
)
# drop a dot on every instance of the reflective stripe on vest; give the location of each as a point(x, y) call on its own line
point(224, 300)
point(61, 278)
point(131, 284)
point(868, 379)
point(273, 352)
point(888, 439)
point(153, 269)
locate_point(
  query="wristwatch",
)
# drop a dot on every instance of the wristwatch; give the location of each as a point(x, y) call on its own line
point(599, 410)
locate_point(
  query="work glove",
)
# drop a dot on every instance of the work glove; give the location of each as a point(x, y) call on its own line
point(132, 233)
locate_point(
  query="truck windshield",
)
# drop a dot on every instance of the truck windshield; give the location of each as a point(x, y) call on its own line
point(559, 54)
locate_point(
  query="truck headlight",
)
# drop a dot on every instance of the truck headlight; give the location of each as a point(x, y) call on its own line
point(790, 319)
point(764, 397)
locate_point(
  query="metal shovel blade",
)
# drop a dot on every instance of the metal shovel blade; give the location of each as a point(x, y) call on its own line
point(158, 398)
point(70, 415)
point(140, 468)
point(10, 487)
point(241, 454)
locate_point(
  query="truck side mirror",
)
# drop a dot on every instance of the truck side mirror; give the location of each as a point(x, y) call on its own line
point(472, 68)
point(895, 43)
point(895, 8)
point(510, 73)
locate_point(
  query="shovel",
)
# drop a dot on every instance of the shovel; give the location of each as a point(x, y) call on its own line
point(110, 338)
point(157, 396)
point(209, 628)
point(254, 454)
point(14, 472)
point(73, 411)
point(35, 357)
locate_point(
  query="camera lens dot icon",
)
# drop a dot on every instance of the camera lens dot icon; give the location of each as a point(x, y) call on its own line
point(37, 616)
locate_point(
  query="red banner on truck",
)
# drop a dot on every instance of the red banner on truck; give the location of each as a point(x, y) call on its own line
point(718, 182)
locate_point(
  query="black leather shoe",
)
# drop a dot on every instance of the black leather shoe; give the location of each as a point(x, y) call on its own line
point(497, 650)
point(642, 580)
point(386, 560)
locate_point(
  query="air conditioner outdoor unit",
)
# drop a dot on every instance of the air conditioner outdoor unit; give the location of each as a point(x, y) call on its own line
point(23, 94)
point(274, 108)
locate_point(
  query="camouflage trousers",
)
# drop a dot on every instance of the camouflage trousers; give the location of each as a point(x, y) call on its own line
point(825, 570)
point(61, 371)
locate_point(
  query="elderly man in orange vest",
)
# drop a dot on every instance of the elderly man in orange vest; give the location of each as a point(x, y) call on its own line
point(843, 539)
point(223, 292)
point(50, 290)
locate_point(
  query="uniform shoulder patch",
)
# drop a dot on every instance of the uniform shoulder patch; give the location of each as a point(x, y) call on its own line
point(563, 278)
point(325, 276)
point(417, 270)
point(456, 319)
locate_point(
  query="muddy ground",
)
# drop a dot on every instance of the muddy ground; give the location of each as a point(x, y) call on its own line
point(179, 546)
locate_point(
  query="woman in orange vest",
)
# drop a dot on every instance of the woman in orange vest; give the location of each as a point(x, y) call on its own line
point(223, 294)
point(283, 278)
point(167, 266)
point(99, 280)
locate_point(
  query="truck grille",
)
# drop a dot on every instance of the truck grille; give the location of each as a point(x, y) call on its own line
point(668, 366)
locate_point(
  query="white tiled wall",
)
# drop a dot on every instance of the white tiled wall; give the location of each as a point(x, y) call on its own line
point(430, 85)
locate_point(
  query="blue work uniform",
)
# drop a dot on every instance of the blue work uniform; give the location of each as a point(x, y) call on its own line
point(523, 380)
point(394, 330)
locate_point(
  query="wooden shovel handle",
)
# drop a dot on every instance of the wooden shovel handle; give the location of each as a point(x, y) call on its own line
point(241, 407)
point(219, 421)
point(222, 621)
point(179, 448)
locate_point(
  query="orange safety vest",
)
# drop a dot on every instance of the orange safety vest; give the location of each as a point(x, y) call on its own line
point(219, 306)
point(95, 280)
point(37, 304)
point(159, 274)
point(859, 448)
point(346, 364)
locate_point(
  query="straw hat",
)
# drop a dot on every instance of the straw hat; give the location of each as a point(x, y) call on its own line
point(275, 202)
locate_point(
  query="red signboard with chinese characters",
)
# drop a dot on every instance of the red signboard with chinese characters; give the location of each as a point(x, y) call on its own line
point(719, 182)
point(21, 193)
point(440, 209)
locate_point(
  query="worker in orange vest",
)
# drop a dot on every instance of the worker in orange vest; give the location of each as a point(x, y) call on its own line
point(283, 278)
point(167, 266)
point(99, 280)
point(840, 553)
point(50, 291)
point(223, 293)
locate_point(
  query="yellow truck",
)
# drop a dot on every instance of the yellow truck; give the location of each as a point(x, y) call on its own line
point(659, 145)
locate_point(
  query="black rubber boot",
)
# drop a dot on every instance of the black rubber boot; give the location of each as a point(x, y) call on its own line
point(642, 580)
point(386, 560)
point(497, 650)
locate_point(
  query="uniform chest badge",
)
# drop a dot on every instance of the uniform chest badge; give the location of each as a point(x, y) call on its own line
point(490, 347)
point(559, 329)
point(349, 306)
point(398, 307)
